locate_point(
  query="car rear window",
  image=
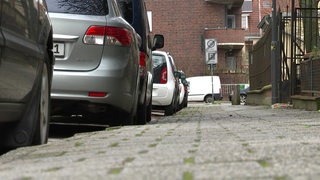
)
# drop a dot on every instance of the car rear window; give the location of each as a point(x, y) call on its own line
point(159, 63)
point(83, 7)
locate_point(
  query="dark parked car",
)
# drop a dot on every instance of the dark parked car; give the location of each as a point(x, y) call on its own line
point(134, 11)
point(25, 73)
point(243, 95)
point(97, 71)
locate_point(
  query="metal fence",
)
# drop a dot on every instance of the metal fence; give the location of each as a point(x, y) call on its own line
point(227, 89)
point(307, 23)
point(260, 62)
point(310, 77)
point(298, 38)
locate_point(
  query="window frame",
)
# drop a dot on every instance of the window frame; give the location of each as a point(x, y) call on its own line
point(231, 17)
point(231, 63)
point(245, 22)
point(250, 9)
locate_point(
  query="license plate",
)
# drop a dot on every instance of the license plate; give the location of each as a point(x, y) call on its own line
point(58, 49)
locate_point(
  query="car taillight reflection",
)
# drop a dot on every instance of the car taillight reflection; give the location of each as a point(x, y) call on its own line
point(142, 63)
point(142, 59)
point(97, 35)
point(97, 94)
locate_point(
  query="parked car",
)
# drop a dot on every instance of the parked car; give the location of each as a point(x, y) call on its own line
point(181, 94)
point(97, 61)
point(184, 88)
point(134, 12)
point(204, 88)
point(165, 94)
point(26, 61)
point(243, 94)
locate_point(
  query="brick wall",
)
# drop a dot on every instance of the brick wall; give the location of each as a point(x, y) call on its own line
point(227, 35)
point(254, 17)
point(182, 23)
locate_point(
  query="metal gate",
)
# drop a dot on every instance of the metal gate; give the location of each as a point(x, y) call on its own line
point(299, 48)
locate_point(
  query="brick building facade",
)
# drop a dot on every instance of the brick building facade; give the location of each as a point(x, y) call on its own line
point(186, 24)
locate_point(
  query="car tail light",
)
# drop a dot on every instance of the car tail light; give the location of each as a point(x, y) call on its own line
point(118, 36)
point(97, 94)
point(96, 35)
point(164, 78)
point(142, 59)
point(142, 63)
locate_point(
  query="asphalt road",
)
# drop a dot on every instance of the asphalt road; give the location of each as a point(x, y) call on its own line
point(202, 141)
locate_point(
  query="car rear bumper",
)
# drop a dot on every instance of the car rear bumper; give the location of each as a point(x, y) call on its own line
point(161, 95)
point(120, 88)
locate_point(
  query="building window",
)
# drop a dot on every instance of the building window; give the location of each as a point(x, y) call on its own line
point(247, 6)
point(266, 4)
point(245, 21)
point(231, 21)
point(231, 63)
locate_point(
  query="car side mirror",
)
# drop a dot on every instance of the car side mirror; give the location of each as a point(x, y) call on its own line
point(177, 74)
point(185, 82)
point(158, 41)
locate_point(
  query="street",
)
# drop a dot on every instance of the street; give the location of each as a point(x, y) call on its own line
point(202, 141)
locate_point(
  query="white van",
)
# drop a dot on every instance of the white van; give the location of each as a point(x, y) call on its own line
point(201, 88)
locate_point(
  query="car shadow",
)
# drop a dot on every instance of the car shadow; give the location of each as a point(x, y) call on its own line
point(62, 127)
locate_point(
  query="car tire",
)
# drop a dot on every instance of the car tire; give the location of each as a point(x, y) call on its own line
point(243, 99)
point(142, 113)
point(185, 102)
point(169, 110)
point(40, 134)
point(208, 99)
point(149, 110)
point(177, 99)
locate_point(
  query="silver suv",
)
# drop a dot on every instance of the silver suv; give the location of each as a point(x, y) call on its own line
point(26, 62)
point(97, 60)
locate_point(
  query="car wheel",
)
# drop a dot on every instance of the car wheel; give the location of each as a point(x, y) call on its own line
point(185, 102)
point(142, 113)
point(208, 99)
point(149, 110)
point(177, 105)
point(169, 110)
point(42, 118)
point(243, 99)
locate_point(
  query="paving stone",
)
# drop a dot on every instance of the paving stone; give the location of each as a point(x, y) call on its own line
point(202, 141)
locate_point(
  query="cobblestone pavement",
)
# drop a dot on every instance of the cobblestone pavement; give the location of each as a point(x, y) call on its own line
point(199, 142)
